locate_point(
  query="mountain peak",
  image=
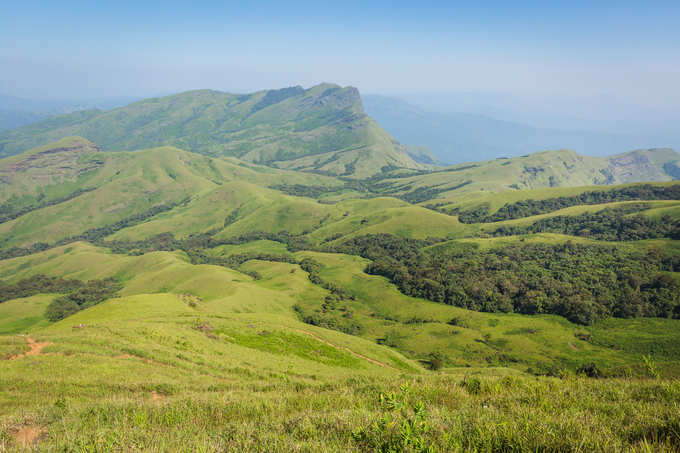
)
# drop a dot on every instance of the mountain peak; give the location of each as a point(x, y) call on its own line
point(321, 129)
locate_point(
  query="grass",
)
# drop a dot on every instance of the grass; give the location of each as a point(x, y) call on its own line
point(154, 373)
point(414, 327)
point(538, 175)
point(204, 358)
point(126, 404)
point(323, 128)
point(22, 315)
point(417, 328)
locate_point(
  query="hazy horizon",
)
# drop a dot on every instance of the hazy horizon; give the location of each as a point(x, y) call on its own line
point(625, 50)
point(611, 67)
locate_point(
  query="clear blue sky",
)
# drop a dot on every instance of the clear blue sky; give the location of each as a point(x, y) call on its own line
point(67, 49)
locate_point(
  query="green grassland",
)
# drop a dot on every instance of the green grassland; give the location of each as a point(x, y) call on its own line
point(204, 192)
point(209, 362)
point(494, 201)
point(296, 347)
point(23, 315)
point(413, 326)
point(548, 169)
point(128, 184)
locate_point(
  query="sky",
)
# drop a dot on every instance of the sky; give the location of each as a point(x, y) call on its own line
point(624, 50)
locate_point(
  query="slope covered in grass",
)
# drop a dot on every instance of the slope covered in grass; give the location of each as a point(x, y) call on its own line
point(209, 363)
point(232, 331)
point(102, 189)
point(534, 171)
point(323, 128)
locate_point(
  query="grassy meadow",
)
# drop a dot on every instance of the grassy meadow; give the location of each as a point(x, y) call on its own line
point(247, 328)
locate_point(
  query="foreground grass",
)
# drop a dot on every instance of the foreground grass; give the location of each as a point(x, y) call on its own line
point(355, 413)
point(168, 372)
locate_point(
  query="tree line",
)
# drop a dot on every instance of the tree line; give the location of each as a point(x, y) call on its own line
point(610, 224)
point(583, 283)
point(530, 207)
point(93, 235)
point(76, 294)
point(13, 208)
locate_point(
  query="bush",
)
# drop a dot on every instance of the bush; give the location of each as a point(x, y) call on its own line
point(61, 308)
point(590, 369)
point(435, 361)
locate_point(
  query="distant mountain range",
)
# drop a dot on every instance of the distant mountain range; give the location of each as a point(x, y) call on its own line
point(535, 171)
point(322, 129)
point(462, 137)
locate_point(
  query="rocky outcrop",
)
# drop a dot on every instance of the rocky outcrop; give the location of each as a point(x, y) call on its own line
point(53, 163)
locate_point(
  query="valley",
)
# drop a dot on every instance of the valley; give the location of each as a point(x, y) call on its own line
point(274, 272)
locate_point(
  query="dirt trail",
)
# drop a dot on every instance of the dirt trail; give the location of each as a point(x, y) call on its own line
point(27, 436)
point(343, 348)
point(36, 348)
point(155, 396)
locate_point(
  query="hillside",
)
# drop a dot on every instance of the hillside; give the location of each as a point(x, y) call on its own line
point(270, 309)
point(533, 171)
point(323, 129)
point(213, 360)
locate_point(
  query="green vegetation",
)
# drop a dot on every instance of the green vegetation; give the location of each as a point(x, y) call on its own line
point(79, 295)
point(548, 169)
point(160, 300)
point(323, 129)
point(530, 207)
point(23, 315)
point(610, 224)
point(173, 379)
point(85, 295)
point(581, 282)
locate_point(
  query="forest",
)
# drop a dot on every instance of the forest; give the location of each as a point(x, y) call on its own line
point(583, 283)
point(530, 207)
point(610, 224)
point(76, 295)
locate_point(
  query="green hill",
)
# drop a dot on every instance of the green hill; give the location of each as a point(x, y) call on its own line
point(323, 129)
point(161, 300)
point(534, 171)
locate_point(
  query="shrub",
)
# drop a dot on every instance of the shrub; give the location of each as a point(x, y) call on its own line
point(590, 369)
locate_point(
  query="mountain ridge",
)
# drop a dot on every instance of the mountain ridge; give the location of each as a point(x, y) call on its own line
point(323, 129)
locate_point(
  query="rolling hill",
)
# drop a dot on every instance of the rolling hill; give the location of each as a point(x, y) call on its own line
point(322, 129)
point(544, 169)
point(164, 299)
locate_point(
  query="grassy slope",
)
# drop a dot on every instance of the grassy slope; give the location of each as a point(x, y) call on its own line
point(467, 201)
point(141, 375)
point(125, 184)
point(223, 292)
point(539, 170)
point(491, 339)
point(325, 122)
point(418, 327)
point(23, 315)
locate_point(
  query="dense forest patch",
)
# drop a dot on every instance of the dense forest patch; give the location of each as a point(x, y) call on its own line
point(610, 224)
point(583, 283)
point(77, 295)
point(528, 208)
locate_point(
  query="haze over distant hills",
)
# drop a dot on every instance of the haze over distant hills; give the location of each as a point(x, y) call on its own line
point(455, 136)
point(16, 111)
